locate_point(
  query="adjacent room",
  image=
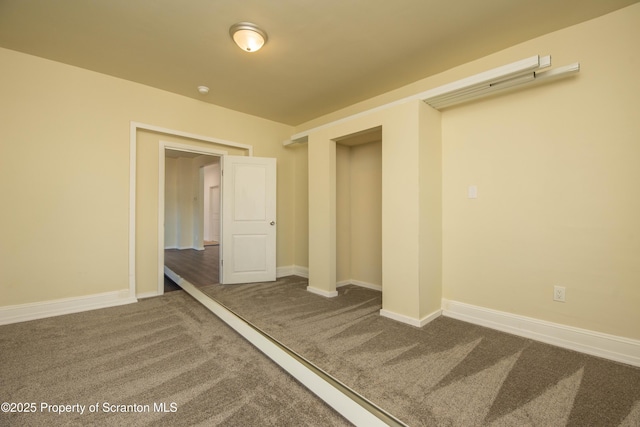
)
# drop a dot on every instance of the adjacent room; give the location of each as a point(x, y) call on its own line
point(423, 213)
point(192, 216)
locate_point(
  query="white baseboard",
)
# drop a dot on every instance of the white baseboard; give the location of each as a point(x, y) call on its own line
point(182, 248)
point(322, 292)
point(40, 310)
point(607, 346)
point(410, 320)
point(301, 271)
point(144, 295)
point(292, 270)
point(359, 283)
point(284, 271)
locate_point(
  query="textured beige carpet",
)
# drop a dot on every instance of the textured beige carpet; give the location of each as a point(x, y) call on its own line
point(448, 373)
point(167, 351)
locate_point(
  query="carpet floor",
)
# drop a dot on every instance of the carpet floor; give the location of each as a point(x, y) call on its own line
point(447, 373)
point(167, 351)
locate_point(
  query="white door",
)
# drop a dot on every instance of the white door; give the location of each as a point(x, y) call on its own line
point(248, 220)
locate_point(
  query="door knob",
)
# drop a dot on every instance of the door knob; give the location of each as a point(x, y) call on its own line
point(272, 223)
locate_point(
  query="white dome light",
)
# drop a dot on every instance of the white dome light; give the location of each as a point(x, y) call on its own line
point(248, 36)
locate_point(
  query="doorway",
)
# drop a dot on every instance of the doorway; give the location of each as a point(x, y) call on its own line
point(359, 209)
point(191, 231)
point(247, 214)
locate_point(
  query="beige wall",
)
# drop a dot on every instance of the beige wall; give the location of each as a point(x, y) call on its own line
point(557, 169)
point(400, 204)
point(555, 165)
point(359, 213)
point(366, 213)
point(430, 234)
point(64, 229)
point(184, 215)
point(187, 226)
point(300, 183)
point(322, 213)
point(171, 203)
point(343, 213)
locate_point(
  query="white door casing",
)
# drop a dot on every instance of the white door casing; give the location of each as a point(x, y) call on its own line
point(248, 220)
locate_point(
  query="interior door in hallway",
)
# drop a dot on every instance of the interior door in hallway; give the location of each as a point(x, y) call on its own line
point(248, 220)
point(214, 213)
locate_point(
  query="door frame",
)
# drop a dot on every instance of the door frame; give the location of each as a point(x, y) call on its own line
point(134, 127)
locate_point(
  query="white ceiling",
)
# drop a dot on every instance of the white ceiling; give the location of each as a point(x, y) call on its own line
point(322, 55)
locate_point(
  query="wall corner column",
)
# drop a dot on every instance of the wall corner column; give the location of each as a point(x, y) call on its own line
point(430, 136)
point(411, 214)
point(322, 215)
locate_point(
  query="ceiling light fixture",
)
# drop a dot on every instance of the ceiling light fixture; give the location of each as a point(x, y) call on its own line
point(203, 90)
point(249, 37)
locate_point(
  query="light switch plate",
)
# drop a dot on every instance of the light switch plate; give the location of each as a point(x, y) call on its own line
point(472, 192)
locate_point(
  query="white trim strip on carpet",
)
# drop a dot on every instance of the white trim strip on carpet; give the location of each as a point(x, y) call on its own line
point(348, 403)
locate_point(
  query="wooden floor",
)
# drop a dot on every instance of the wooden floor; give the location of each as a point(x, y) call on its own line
point(199, 268)
point(169, 285)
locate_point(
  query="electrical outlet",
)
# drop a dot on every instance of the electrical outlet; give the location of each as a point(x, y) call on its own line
point(559, 293)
